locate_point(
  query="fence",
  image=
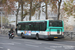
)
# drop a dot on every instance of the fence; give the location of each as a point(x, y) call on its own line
point(4, 31)
point(69, 34)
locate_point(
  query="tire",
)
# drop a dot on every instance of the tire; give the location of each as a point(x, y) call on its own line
point(37, 37)
point(22, 36)
point(12, 38)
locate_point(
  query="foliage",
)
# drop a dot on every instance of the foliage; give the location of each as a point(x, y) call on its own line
point(4, 20)
point(8, 5)
point(69, 7)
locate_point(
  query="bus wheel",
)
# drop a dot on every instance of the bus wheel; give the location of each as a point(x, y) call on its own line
point(37, 36)
point(22, 35)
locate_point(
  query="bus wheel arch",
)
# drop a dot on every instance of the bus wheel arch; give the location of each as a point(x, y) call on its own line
point(37, 36)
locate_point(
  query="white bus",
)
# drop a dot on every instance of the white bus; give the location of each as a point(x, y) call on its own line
point(45, 29)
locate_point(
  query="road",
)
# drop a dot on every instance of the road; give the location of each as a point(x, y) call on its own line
point(32, 44)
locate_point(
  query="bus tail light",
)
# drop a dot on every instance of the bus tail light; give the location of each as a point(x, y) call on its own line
point(47, 33)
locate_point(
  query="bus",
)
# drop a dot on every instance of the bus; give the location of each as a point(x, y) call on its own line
point(45, 29)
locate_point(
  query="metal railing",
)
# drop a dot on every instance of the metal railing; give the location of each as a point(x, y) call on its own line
point(69, 34)
point(5, 31)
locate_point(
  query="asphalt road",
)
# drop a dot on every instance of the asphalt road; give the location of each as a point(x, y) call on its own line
point(32, 44)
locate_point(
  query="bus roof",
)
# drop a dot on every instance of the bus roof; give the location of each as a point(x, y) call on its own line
point(38, 21)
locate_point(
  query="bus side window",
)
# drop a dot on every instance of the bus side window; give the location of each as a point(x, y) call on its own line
point(32, 27)
point(19, 27)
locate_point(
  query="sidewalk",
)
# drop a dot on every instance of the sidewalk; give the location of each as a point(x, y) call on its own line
point(69, 39)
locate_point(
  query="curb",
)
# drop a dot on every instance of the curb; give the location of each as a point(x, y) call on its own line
point(68, 39)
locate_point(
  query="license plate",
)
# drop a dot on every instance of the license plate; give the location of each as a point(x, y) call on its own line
point(55, 37)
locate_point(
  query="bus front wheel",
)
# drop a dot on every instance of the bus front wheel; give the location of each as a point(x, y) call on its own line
point(22, 35)
point(37, 36)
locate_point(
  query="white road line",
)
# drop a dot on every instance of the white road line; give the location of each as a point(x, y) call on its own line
point(37, 43)
point(49, 48)
point(8, 49)
point(1, 47)
point(59, 44)
point(16, 43)
point(3, 37)
point(8, 43)
point(44, 42)
point(31, 45)
point(56, 44)
point(27, 42)
point(33, 42)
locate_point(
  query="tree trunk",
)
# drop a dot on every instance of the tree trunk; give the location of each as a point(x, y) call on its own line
point(30, 9)
point(21, 10)
point(39, 14)
point(17, 13)
point(59, 4)
point(46, 11)
point(39, 10)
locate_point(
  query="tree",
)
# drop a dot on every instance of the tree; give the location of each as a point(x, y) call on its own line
point(46, 2)
point(21, 10)
point(8, 5)
point(69, 8)
point(17, 11)
point(59, 4)
point(30, 9)
point(4, 20)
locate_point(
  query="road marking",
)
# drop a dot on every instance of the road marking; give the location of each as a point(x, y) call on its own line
point(8, 49)
point(8, 43)
point(33, 42)
point(3, 37)
point(44, 42)
point(28, 42)
point(49, 48)
point(16, 43)
point(37, 43)
point(1, 47)
point(31, 45)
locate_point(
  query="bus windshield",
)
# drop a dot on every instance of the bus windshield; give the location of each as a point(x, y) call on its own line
point(55, 24)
